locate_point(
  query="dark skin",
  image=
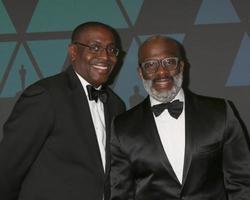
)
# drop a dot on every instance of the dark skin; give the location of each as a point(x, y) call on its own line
point(160, 48)
point(95, 68)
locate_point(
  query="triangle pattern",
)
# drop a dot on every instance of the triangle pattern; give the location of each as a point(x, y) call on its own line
point(216, 11)
point(6, 49)
point(13, 83)
point(128, 77)
point(240, 73)
point(48, 16)
point(133, 8)
point(50, 55)
point(6, 25)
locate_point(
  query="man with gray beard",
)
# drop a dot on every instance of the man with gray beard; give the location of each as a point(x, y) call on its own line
point(176, 144)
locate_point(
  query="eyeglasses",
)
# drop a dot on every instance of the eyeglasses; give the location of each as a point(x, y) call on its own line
point(151, 66)
point(94, 48)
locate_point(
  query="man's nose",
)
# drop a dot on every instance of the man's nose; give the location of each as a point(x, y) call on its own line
point(103, 53)
point(162, 69)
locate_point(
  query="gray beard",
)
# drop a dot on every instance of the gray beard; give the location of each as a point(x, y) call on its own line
point(165, 96)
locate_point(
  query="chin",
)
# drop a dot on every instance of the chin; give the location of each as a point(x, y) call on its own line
point(167, 94)
point(100, 80)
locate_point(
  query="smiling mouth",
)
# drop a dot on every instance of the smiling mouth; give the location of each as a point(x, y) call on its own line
point(104, 67)
point(101, 67)
point(163, 80)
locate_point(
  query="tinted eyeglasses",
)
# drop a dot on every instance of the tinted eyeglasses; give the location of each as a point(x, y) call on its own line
point(95, 48)
point(151, 66)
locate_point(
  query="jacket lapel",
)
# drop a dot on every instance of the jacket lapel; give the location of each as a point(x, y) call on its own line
point(190, 132)
point(109, 112)
point(151, 128)
point(107, 117)
point(83, 117)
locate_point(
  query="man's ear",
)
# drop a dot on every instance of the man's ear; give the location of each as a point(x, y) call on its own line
point(139, 71)
point(72, 50)
point(182, 66)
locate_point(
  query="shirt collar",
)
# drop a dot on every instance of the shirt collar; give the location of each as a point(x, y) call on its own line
point(85, 83)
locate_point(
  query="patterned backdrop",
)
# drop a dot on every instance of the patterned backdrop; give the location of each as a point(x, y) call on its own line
point(34, 35)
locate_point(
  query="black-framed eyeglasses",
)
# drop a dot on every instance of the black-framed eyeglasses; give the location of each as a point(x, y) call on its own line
point(95, 48)
point(151, 66)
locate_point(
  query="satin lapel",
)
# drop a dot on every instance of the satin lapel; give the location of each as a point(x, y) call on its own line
point(152, 129)
point(107, 116)
point(83, 117)
point(190, 131)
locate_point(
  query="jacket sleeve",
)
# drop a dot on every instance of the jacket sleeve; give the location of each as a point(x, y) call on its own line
point(121, 176)
point(236, 159)
point(24, 134)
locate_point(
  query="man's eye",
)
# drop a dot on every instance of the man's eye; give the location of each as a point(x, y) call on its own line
point(94, 48)
point(150, 64)
point(170, 62)
point(111, 50)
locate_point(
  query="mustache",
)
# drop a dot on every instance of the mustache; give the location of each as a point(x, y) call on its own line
point(101, 62)
point(160, 78)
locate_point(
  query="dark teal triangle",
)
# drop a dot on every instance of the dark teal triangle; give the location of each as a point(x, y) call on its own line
point(133, 8)
point(6, 49)
point(6, 25)
point(64, 15)
point(13, 83)
point(240, 73)
point(216, 11)
point(128, 77)
point(50, 55)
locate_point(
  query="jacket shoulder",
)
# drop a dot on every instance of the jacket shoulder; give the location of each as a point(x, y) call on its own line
point(133, 115)
point(115, 101)
point(55, 84)
point(200, 101)
point(114, 96)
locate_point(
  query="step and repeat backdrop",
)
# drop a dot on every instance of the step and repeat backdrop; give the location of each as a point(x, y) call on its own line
point(34, 35)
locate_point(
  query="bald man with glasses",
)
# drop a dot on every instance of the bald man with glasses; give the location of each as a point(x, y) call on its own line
point(176, 144)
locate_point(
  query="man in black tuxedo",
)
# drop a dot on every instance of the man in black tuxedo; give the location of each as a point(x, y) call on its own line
point(176, 144)
point(55, 144)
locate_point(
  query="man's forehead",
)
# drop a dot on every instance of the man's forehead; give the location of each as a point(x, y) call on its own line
point(96, 28)
point(100, 32)
point(158, 46)
point(160, 43)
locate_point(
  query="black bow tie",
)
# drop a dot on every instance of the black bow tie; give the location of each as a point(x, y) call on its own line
point(94, 94)
point(174, 108)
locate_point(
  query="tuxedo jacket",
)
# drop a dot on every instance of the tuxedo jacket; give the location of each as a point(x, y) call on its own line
point(216, 161)
point(49, 150)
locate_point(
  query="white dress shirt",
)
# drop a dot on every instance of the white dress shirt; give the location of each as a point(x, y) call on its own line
point(97, 114)
point(172, 135)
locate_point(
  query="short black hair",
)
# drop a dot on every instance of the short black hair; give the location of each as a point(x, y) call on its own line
point(84, 26)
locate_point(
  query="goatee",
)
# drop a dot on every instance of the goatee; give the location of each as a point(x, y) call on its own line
point(165, 96)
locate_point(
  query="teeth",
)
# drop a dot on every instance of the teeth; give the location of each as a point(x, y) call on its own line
point(163, 80)
point(100, 67)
